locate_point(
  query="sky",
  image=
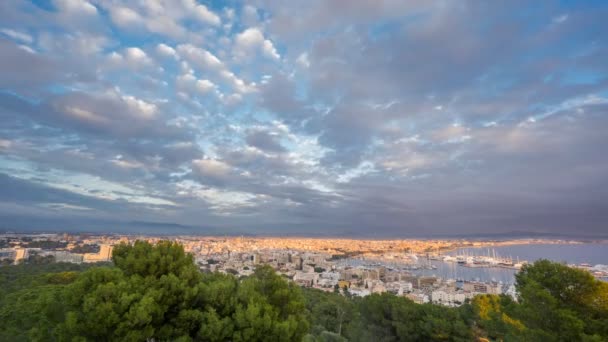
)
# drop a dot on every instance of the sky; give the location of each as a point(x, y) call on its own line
point(336, 118)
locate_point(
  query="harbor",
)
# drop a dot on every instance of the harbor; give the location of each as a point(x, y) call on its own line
point(491, 259)
point(499, 264)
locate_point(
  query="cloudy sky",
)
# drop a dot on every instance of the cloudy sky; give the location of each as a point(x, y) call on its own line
point(366, 117)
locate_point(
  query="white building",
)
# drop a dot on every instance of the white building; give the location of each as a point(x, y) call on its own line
point(359, 292)
point(449, 298)
point(307, 279)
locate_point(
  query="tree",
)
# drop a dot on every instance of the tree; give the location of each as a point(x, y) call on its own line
point(269, 309)
point(157, 292)
point(387, 317)
point(489, 311)
point(564, 302)
point(151, 293)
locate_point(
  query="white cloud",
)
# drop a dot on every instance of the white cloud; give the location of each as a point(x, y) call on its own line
point(166, 51)
point(560, 19)
point(252, 41)
point(126, 164)
point(202, 13)
point(17, 35)
point(204, 86)
point(249, 15)
point(303, 60)
point(136, 54)
point(570, 104)
point(5, 144)
point(109, 110)
point(362, 169)
point(76, 7)
point(237, 84)
point(85, 115)
point(132, 57)
point(232, 99)
point(162, 16)
point(140, 107)
point(206, 61)
point(200, 57)
point(27, 49)
point(269, 50)
point(124, 16)
point(452, 134)
point(78, 44)
point(183, 80)
point(211, 168)
point(165, 25)
point(220, 199)
point(189, 83)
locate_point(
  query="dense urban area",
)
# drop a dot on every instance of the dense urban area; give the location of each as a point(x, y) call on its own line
point(384, 265)
point(142, 288)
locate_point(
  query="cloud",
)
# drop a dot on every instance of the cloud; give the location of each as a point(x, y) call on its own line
point(190, 84)
point(28, 72)
point(204, 86)
point(167, 18)
point(200, 57)
point(249, 15)
point(17, 35)
point(213, 172)
point(391, 118)
point(131, 57)
point(166, 51)
point(107, 112)
point(124, 16)
point(264, 141)
point(252, 41)
point(201, 12)
point(206, 62)
point(76, 7)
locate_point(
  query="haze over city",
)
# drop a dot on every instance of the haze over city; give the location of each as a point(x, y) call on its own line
point(387, 118)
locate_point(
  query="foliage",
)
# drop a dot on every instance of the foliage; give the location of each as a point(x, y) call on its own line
point(85, 248)
point(556, 303)
point(156, 292)
point(30, 299)
point(37, 259)
point(47, 244)
point(390, 318)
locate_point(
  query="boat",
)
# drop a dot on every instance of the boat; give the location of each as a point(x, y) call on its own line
point(449, 258)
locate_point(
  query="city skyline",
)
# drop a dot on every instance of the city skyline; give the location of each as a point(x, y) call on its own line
point(314, 118)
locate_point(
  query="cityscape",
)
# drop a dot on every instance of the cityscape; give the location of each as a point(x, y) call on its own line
point(349, 266)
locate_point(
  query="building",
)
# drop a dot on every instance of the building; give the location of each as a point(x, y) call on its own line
point(297, 261)
point(7, 253)
point(306, 279)
point(489, 288)
point(104, 255)
point(359, 292)
point(343, 283)
point(447, 297)
point(418, 298)
point(64, 256)
point(426, 282)
point(21, 254)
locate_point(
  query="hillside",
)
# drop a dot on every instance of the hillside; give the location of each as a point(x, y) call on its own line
point(158, 293)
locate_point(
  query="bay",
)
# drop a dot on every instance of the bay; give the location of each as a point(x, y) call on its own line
point(591, 253)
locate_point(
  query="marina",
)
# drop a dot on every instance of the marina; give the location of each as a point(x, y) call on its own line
point(499, 264)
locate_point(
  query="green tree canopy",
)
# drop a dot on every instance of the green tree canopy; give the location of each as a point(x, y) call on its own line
point(156, 292)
